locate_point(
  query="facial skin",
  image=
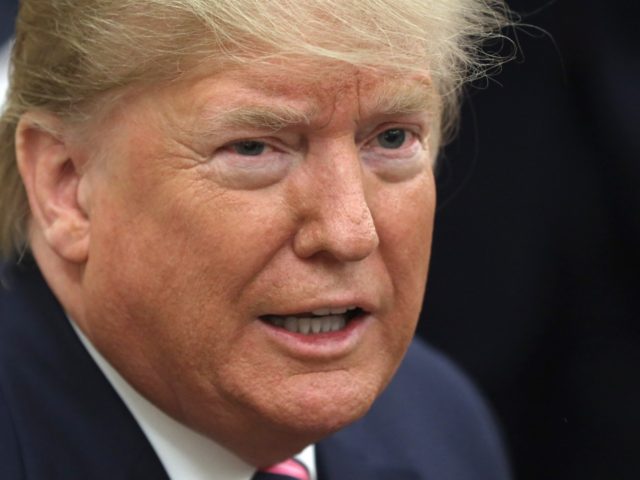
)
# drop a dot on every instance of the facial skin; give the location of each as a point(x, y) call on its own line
point(204, 207)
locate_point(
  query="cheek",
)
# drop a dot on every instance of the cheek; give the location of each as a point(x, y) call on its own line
point(191, 258)
point(184, 221)
point(404, 215)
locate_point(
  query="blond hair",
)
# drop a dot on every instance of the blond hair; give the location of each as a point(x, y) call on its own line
point(68, 53)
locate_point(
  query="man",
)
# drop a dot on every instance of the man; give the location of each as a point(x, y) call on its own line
point(229, 208)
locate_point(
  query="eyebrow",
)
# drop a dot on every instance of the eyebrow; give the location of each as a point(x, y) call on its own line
point(262, 117)
point(404, 100)
point(388, 101)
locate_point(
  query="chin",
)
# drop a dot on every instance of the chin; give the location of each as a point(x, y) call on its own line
point(316, 407)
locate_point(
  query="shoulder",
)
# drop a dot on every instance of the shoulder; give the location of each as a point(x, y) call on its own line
point(439, 395)
point(427, 377)
point(431, 420)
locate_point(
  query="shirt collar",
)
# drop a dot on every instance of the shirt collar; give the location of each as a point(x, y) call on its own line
point(184, 453)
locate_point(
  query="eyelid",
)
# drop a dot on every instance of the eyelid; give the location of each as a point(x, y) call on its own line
point(230, 147)
point(271, 144)
point(415, 130)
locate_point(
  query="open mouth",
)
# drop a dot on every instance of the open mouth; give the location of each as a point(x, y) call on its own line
point(324, 320)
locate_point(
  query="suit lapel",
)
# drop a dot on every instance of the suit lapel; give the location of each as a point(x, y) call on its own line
point(70, 423)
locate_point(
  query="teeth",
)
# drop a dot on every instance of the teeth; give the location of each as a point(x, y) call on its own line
point(324, 320)
point(332, 311)
point(304, 324)
point(291, 324)
point(311, 325)
point(316, 325)
point(326, 324)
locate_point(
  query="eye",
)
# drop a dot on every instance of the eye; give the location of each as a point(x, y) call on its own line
point(393, 138)
point(395, 152)
point(249, 148)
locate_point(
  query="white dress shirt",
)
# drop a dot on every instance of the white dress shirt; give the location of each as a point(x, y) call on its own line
point(184, 453)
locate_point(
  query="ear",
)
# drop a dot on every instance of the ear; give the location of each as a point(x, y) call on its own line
point(52, 180)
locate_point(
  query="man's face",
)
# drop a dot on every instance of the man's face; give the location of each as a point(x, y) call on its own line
point(259, 245)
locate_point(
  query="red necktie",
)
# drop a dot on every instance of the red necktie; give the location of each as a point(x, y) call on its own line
point(288, 470)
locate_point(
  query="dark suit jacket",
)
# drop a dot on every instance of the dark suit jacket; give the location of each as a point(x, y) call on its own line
point(61, 419)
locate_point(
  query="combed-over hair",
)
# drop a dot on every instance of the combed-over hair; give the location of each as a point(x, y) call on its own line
point(69, 53)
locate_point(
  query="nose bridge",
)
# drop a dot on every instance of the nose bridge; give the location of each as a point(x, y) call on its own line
point(338, 219)
point(345, 198)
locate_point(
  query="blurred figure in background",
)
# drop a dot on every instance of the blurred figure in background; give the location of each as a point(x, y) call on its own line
point(8, 10)
point(535, 271)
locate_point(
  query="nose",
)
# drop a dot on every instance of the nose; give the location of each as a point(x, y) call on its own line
point(336, 219)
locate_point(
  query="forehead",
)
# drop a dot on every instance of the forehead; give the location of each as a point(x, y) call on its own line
point(311, 90)
point(315, 78)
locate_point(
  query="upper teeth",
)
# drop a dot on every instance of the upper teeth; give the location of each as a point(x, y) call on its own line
point(332, 311)
point(308, 325)
point(323, 320)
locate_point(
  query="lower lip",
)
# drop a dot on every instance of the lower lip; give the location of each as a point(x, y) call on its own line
point(320, 345)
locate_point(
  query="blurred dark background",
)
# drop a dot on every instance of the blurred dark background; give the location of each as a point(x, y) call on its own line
point(535, 275)
point(8, 10)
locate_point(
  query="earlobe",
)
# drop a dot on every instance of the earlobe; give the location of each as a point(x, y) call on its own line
point(52, 180)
